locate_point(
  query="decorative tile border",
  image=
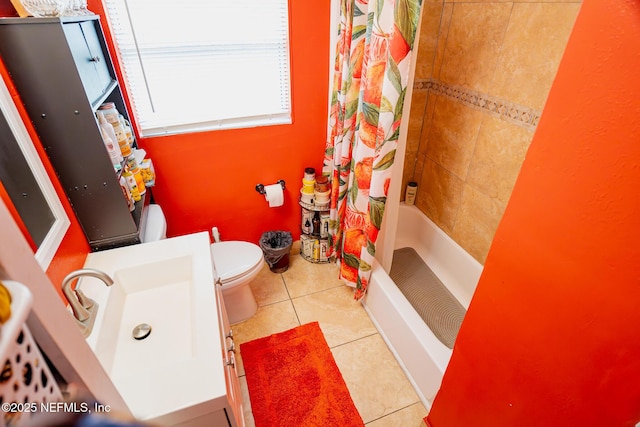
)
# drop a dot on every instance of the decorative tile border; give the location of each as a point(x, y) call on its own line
point(505, 110)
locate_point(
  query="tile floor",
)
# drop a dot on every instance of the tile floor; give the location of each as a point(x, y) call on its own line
point(309, 292)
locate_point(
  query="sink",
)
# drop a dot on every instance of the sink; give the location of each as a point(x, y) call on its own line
point(168, 285)
point(158, 294)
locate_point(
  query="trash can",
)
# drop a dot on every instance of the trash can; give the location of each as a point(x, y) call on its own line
point(276, 246)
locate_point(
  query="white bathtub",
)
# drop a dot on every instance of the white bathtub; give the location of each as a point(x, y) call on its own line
point(423, 357)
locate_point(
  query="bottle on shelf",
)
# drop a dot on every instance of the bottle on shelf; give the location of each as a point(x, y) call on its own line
point(110, 141)
point(410, 194)
point(113, 149)
point(316, 224)
point(316, 250)
point(126, 193)
point(112, 116)
point(127, 129)
point(306, 221)
point(125, 148)
point(324, 225)
point(324, 248)
point(109, 111)
point(134, 168)
point(131, 183)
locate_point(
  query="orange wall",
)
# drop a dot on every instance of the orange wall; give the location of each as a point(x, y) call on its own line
point(7, 9)
point(74, 248)
point(208, 179)
point(551, 336)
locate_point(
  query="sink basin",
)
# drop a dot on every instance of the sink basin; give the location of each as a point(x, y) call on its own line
point(168, 285)
point(157, 294)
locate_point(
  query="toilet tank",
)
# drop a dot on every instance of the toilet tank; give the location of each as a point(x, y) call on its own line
point(156, 225)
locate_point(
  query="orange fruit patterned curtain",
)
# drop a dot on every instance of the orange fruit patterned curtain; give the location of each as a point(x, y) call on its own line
point(373, 58)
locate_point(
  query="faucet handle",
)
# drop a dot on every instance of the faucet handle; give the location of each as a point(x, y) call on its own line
point(84, 300)
point(83, 307)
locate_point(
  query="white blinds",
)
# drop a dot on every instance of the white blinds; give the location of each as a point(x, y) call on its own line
point(204, 64)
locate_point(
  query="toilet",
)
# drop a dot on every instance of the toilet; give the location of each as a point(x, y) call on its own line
point(156, 225)
point(235, 264)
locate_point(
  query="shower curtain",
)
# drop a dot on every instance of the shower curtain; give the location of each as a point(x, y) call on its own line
point(373, 57)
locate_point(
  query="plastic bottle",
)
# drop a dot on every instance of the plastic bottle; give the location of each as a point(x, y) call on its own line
point(110, 141)
point(127, 129)
point(410, 194)
point(127, 194)
point(125, 148)
point(132, 163)
point(114, 151)
point(316, 250)
point(324, 225)
point(131, 183)
point(110, 112)
point(324, 247)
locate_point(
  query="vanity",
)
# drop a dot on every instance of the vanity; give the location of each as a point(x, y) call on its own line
point(181, 371)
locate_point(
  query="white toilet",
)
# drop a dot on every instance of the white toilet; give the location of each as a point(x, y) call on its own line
point(156, 225)
point(235, 263)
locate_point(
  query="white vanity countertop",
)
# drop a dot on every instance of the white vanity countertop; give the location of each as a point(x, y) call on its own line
point(169, 284)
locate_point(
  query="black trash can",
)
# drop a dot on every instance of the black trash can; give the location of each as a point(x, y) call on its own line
point(276, 246)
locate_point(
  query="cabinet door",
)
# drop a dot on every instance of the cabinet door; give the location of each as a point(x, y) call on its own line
point(89, 58)
point(231, 372)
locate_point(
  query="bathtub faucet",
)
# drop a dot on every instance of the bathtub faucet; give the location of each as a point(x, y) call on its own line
point(84, 308)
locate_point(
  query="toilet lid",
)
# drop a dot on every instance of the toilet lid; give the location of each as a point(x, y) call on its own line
point(234, 259)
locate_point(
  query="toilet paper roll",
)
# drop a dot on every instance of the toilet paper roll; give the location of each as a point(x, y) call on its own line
point(274, 194)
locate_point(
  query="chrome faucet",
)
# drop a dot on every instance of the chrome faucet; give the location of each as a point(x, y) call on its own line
point(84, 308)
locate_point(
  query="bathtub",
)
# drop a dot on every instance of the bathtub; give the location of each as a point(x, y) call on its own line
point(422, 356)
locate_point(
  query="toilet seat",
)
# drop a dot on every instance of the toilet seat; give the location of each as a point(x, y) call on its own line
point(235, 259)
point(155, 226)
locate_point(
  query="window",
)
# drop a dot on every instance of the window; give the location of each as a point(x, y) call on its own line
point(203, 64)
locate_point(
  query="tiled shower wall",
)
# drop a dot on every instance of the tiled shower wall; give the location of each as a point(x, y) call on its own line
point(483, 73)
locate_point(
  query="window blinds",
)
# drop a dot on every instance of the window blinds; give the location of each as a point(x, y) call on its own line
point(204, 64)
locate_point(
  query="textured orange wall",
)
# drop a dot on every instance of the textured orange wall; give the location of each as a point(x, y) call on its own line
point(208, 179)
point(551, 336)
point(7, 9)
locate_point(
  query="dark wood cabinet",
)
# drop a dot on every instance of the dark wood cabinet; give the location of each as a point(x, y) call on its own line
point(63, 72)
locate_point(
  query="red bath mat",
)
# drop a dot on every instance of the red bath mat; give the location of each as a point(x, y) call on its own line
point(293, 380)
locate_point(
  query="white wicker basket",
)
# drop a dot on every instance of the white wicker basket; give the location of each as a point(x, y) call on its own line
point(25, 380)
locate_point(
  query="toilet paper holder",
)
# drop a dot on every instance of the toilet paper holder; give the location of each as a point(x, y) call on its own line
point(260, 188)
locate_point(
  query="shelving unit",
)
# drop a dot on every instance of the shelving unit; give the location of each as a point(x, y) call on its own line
point(308, 239)
point(63, 72)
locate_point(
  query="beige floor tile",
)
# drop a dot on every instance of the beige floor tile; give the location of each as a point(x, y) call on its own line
point(246, 403)
point(342, 319)
point(268, 320)
point(376, 382)
point(304, 277)
point(411, 416)
point(268, 287)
